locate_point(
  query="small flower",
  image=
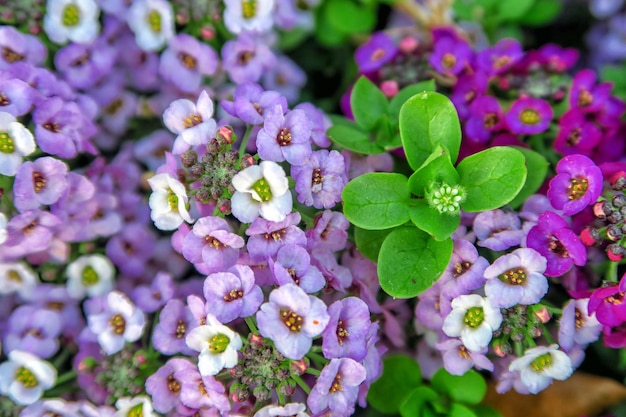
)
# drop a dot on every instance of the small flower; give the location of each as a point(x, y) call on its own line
point(516, 278)
point(218, 346)
point(71, 20)
point(212, 244)
point(290, 409)
point(376, 52)
point(24, 377)
point(576, 326)
point(261, 190)
point(152, 21)
point(90, 275)
point(175, 322)
point(165, 387)
point(451, 55)
point(473, 319)
point(498, 230)
point(232, 294)
point(500, 57)
point(17, 278)
point(484, 119)
point(15, 142)
point(337, 387)
point(120, 322)
point(347, 330)
point(607, 303)
point(248, 15)
point(285, 137)
point(458, 359)
point(577, 184)
point(292, 318)
point(267, 237)
point(320, 180)
point(168, 202)
point(540, 365)
point(444, 198)
point(529, 116)
point(139, 406)
point(193, 123)
point(186, 61)
point(41, 182)
point(293, 265)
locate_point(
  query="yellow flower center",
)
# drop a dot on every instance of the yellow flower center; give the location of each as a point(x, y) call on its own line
point(219, 343)
point(515, 276)
point(577, 188)
point(90, 276)
point(474, 316)
point(154, 21)
point(541, 362)
point(530, 117)
point(262, 188)
point(26, 377)
point(71, 15)
point(6, 143)
point(248, 8)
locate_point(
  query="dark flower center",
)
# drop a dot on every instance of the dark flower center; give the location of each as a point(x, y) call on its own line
point(448, 61)
point(501, 61)
point(585, 98)
point(81, 60)
point(342, 332)
point(284, 137)
point(579, 319)
point(233, 295)
point(615, 299)
point(39, 181)
point(490, 120)
point(258, 108)
point(244, 57)
point(181, 328)
point(9, 55)
point(464, 353)
point(317, 177)
point(574, 137)
point(515, 276)
point(117, 323)
point(172, 384)
point(214, 243)
point(461, 268)
point(577, 188)
point(52, 127)
point(292, 320)
point(188, 60)
point(4, 100)
point(555, 246)
point(113, 108)
point(292, 274)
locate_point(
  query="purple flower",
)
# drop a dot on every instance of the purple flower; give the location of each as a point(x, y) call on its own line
point(555, 241)
point(500, 57)
point(41, 182)
point(267, 237)
point(464, 272)
point(347, 330)
point(516, 278)
point(164, 386)
point(497, 230)
point(376, 52)
point(199, 391)
point(466, 90)
point(191, 122)
point(33, 329)
point(16, 96)
point(246, 58)
point(293, 265)
point(585, 94)
point(286, 78)
point(320, 180)
point(84, 65)
point(285, 137)
point(337, 387)
point(577, 184)
point(329, 231)
point(450, 55)
point(175, 321)
point(131, 248)
point(150, 298)
point(232, 294)
point(609, 304)
point(529, 116)
point(211, 243)
point(18, 47)
point(29, 232)
point(576, 134)
point(457, 359)
point(319, 124)
point(484, 118)
point(250, 103)
point(557, 59)
point(292, 319)
point(576, 326)
point(185, 61)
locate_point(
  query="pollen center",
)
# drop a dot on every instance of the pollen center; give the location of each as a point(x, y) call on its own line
point(26, 377)
point(342, 332)
point(181, 328)
point(187, 60)
point(516, 276)
point(284, 137)
point(577, 188)
point(214, 243)
point(218, 343)
point(172, 200)
point(90, 276)
point(541, 362)
point(461, 268)
point(529, 117)
point(248, 9)
point(6, 143)
point(9, 55)
point(585, 98)
point(117, 323)
point(71, 15)
point(490, 120)
point(192, 120)
point(262, 189)
point(448, 61)
point(39, 182)
point(291, 320)
point(233, 295)
point(172, 384)
point(154, 21)
point(13, 275)
point(336, 386)
point(474, 317)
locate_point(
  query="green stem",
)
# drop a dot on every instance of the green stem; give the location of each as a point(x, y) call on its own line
point(65, 377)
point(251, 325)
point(281, 398)
point(302, 384)
point(318, 359)
point(611, 272)
point(313, 371)
point(244, 141)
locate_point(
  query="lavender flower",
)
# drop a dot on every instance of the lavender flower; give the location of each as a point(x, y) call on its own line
point(32, 329)
point(516, 278)
point(498, 230)
point(250, 103)
point(41, 182)
point(192, 123)
point(24, 377)
point(267, 237)
point(293, 265)
point(347, 330)
point(577, 184)
point(450, 55)
point(458, 359)
point(20, 49)
point(320, 180)
point(175, 321)
point(337, 387)
point(375, 53)
point(465, 270)
point(185, 61)
point(16, 97)
point(576, 326)
point(232, 294)
point(60, 128)
point(286, 78)
point(329, 231)
point(540, 365)
point(285, 137)
point(83, 66)
point(151, 298)
point(292, 319)
point(246, 58)
point(211, 243)
point(164, 386)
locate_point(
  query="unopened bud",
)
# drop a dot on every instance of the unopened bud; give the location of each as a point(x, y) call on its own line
point(261, 393)
point(618, 200)
point(590, 236)
point(502, 348)
point(615, 217)
point(256, 340)
point(299, 367)
point(239, 392)
point(213, 146)
point(247, 161)
point(196, 170)
point(614, 232)
point(236, 371)
point(601, 209)
point(287, 387)
point(615, 252)
point(389, 88)
point(225, 135)
point(188, 158)
point(542, 314)
point(408, 44)
point(618, 181)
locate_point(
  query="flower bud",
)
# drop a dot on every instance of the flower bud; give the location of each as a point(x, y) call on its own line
point(239, 392)
point(299, 367)
point(247, 161)
point(389, 88)
point(188, 158)
point(542, 314)
point(618, 200)
point(618, 181)
point(614, 232)
point(261, 393)
point(502, 348)
point(590, 236)
point(256, 340)
point(601, 209)
point(225, 135)
point(615, 217)
point(287, 387)
point(615, 252)
point(408, 44)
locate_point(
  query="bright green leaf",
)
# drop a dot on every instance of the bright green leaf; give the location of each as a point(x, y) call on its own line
point(436, 169)
point(369, 241)
point(353, 139)
point(537, 168)
point(513, 10)
point(368, 103)
point(542, 12)
point(401, 375)
point(324, 31)
point(377, 200)
point(491, 178)
point(429, 119)
point(410, 261)
point(349, 18)
point(439, 226)
point(459, 410)
point(406, 93)
point(469, 388)
point(416, 401)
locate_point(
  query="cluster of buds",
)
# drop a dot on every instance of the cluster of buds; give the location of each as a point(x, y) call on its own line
point(520, 324)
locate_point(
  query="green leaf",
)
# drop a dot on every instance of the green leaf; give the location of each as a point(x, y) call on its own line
point(491, 178)
point(429, 119)
point(416, 401)
point(459, 410)
point(406, 93)
point(537, 168)
point(377, 200)
point(436, 169)
point(353, 139)
point(439, 226)
point(401, 375)
point(324, 31)
point(369, 241)
point(513, 10)
point(542, 12)
point(469, 388)
point(368, 103)
point(349, 18)
point(410, 261)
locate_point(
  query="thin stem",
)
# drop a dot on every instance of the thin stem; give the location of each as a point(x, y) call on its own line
point(313, 371)
point(611, 272)
point(65, 377)
point(302, 384)
point(281, 398)
point(244, 141)
point(251, 325)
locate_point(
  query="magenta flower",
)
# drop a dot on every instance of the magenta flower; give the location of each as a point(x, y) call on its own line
point(485, 117)
point(578, 184)
point(376, 52)
point(451, 54)
point(292, 318)
point(500, 57)
point(529, 116)
point(585, 94)
point(337, 387)
point(555, 241)
point(576, 134)
point(232, 294)
point(609, 304)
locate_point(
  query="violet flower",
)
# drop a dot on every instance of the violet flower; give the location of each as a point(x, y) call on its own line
point(251, 102)
point(450, 55)
point(41, 182)
point(285, 77)
point(607, 303)
point(347, 330)
point(529, 116)
point(292, 319)
point(500, 57)
point(375, 53)
point(83, 66)
point(186, 61)
point(577, 184)
point(16, 96)
point(337, 387)
point(232, 294)
point(199, 391)
point(576, 326)
point(465, 270)
point(585, 94)
point(293, 265)
point(212, 244)
point(192, 123)
point(320, 123)
point(458, 359)
point(484, 118)
point(267, 237)
point(164, 386)
point(285, 137)
point(150, 298)
point(246, 58)
point(29, 232)
point(33, 329)
point(175, 322)
point(18, 47)
point(320, 180)
point(553, 239)
point(576, 134)
point(329, 231)
point(498, 230)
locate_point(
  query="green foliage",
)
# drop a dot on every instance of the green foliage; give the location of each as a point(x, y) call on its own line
point(367, 116)
point(469, 388)
point(537, 168)
point(401, 374)
point(370, 241)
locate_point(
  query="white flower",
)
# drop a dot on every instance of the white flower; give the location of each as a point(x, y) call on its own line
point(168, 202)
point(473, 319)
point(15, 142)
point(73, 20)
point(137, 406)
point(16, 277)
point(291, 409)
point(3, 223)
point(217, 344)
point(152, 21)
point(24, 377)
point(261, 190)
point(248, 15)
point(540, 365)
point(120, 322)
point(90, 275)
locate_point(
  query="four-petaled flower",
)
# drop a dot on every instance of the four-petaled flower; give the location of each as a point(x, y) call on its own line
point(577, 184)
